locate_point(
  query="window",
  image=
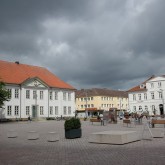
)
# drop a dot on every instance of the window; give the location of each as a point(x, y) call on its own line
point(91, 98)
point(64, 108)
point(146, 108)
point(153, 107)
point(16, 110)
point(69, 96)
point(139, 95)
point(50, 95)
point(134, 97)
point(159, 84)
point(152, 95)
point(64, 95)
point(9, 93)
point(81, 99)
point(27, 110)
point(51, 110)
point(160, 95)
point(28, 94)
point(9, 110)
point(41, 95)
point(56, 110)
point(41, 110)
point(16, 93)
point(56, 95)
point(145, 96)
point(81, 106)
point(34, 94)
point(152, 85)
point(92, 105)
point(69, 110)
point(134, 108)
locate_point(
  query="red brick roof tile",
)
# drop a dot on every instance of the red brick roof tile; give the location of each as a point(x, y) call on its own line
point(16, 73)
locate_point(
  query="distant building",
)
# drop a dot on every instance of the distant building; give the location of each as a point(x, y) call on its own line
point(148, 96)
point(92, 101)
point(35, 92)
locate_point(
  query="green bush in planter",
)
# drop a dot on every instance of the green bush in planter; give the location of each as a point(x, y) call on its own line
point(72, 123)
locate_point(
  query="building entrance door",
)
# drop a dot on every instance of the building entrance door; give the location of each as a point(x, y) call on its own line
point(161, 109)
point(34, 111)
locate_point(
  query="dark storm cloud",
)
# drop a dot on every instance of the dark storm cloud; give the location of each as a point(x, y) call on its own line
point(93, 43)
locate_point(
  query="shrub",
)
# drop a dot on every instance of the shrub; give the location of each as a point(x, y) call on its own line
point(72, 123)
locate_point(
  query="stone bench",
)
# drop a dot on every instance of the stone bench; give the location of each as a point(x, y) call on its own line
point(114, 137)
point(157, 121)
point(33, 135)
point(53, 136)
point(12, 134)
point(157, 132)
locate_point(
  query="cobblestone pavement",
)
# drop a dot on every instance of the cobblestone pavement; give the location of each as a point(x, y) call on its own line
point(20, 150)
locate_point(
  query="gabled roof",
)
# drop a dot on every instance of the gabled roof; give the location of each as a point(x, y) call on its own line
point(16, 73)
point(100, 92)
point(138, 88)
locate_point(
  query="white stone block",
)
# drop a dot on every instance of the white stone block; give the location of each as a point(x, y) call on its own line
point(114, 137)
point(53, 136)
point(33, 135)
point(12, 134)
point(157, 132)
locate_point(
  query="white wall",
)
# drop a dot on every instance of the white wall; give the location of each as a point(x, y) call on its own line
point(152, 86)
point(22, 101)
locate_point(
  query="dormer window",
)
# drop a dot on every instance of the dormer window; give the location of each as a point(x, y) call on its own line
point(142, 86)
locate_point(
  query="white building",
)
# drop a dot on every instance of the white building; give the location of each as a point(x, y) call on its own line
point(148, 96)
point(35, 92)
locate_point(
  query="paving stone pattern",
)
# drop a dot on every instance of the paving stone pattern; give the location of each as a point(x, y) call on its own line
point(20, 150)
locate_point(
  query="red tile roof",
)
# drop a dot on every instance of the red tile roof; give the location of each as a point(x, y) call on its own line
point(100, 92)
point(138, 88)
point(16, 73)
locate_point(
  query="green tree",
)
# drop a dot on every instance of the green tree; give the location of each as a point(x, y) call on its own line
point(3, 94)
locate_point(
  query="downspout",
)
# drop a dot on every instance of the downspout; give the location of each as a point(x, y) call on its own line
point(48, 102)
point(20, 100)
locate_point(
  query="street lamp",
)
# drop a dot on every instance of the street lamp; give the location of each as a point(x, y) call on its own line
point(86, 111)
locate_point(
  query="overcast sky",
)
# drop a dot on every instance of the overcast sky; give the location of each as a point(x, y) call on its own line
point(114, 44)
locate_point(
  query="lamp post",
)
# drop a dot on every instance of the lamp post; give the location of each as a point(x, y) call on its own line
point(86, 111)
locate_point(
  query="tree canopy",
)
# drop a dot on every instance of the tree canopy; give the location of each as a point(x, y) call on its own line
point(3, 94)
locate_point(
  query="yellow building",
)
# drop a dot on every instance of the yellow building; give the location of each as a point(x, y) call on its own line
point(89, 101)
